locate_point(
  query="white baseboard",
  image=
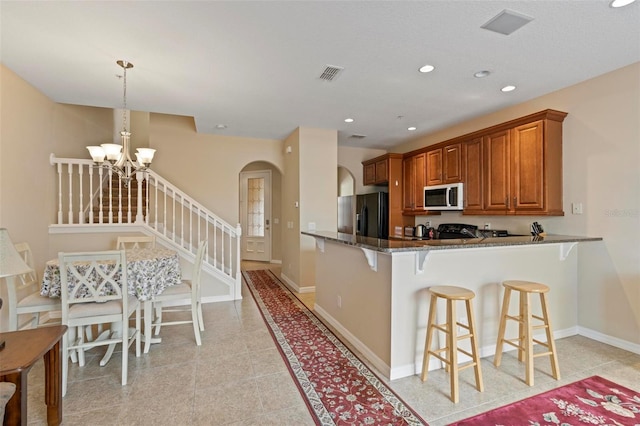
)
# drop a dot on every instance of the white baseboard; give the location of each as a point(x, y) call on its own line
point(609, 340)
point(293, 286)
point(379, 364)
point(485, 351)
point(416, 368)
point(213, 299)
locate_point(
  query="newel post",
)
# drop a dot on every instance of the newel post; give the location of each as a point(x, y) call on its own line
point(139, 180)
point(238, 289)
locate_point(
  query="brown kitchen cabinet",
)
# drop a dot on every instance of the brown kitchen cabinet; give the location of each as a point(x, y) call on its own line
point(387, 170)
point(523, 167)
point(497, 164)
point(413, 178)
point(444, 165)
point(434, 167)
point(376, 170)
point(472, 168)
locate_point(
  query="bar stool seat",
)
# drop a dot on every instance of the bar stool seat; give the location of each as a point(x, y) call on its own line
point(449, 353)
point(524, 342)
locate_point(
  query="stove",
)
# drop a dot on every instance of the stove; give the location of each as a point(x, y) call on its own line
point(448, 231)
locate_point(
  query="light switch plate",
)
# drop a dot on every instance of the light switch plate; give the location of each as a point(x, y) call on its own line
point(576, 208)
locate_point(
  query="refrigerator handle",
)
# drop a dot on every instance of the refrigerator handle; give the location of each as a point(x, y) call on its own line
point(364, 221)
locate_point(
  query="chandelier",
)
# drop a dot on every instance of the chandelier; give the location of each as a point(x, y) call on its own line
point(115, 157)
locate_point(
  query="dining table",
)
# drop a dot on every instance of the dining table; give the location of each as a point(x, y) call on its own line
point(149, 272)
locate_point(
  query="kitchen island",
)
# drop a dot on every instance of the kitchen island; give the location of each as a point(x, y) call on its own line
point(375, 291)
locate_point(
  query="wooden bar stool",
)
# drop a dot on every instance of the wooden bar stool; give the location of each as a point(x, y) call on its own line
point(524, 342)
point(450, 328)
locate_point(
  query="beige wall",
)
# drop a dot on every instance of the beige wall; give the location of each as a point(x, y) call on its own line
point(32, 127)
point(601, 153)
point(351, 159)
point(318, 193)
point(207, 167)
point(309, 195)
point(290, 212)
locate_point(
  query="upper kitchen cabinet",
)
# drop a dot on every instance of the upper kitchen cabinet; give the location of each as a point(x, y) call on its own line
point(536, 171)
point(387, 169)
point(472, 168)
point(444, 165)
point(523, 166)
point(496, 171)
point(413, 178)
point(377, 170)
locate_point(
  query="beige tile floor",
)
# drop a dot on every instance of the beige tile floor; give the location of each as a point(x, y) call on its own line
point(237, 377)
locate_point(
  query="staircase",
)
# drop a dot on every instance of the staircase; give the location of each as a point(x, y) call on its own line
point(118, 203)
point(93, 199)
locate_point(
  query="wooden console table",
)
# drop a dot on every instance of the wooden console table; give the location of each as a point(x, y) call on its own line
point(23, 348)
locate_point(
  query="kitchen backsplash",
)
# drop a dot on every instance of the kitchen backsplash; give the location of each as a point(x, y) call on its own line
point(513, 224)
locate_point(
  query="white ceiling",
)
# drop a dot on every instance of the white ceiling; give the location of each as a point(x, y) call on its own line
point(255, 66)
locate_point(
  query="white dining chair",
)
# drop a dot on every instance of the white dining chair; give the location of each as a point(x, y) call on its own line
point(187, 290)
point(23, 296)
point(92, 294)
point(138, 241)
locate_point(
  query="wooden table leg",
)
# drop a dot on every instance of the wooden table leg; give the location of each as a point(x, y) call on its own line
point(53, 384)
point(15, 412)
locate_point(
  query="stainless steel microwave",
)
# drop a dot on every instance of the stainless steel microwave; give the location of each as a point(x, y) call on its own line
point(443, 197)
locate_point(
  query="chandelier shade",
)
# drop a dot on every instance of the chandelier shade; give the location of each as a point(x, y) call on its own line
point(115, 157)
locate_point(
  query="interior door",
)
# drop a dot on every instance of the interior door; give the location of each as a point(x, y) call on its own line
point(255, 215)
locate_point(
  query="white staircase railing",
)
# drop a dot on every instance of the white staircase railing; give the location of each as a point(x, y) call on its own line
point(95, 196)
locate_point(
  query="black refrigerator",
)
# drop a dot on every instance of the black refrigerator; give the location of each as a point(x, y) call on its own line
point(372, 215)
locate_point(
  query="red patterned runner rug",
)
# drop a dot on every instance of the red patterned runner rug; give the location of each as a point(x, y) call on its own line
point(592, 401)
point(337, 387)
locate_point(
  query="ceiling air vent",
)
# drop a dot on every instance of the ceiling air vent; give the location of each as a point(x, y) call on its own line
point(331, 72)
point(356, 136)
point(506, 22)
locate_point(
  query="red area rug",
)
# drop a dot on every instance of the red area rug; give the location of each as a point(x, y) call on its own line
point(592, 401)
point(337, 387)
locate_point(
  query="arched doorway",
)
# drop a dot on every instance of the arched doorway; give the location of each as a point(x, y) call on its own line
point(346, 201)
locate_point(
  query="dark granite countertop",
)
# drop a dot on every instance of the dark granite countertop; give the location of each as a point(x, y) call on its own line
point(402, 245)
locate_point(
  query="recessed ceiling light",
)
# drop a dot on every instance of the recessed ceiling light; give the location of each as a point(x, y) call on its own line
point(427, 68)
point(348, 120)
point(411, 129)
point(621, 3)
point(221, 126)
point(481, 74)
point(509, 88)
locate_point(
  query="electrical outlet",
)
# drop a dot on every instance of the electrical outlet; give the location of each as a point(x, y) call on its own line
point(428, 224)
point(339, 302)
point(487, 226)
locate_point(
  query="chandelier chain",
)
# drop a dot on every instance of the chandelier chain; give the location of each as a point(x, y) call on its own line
point(124, 99)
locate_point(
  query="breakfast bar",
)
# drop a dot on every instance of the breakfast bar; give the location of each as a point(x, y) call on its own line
point(375, 291)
